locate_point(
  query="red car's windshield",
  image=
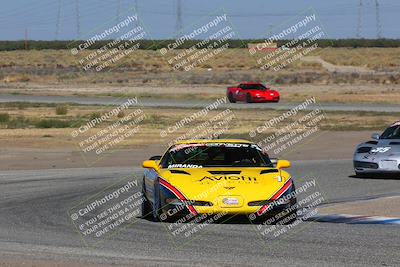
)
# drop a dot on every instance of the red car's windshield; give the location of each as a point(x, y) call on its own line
point(215, 155)
point(253, 87)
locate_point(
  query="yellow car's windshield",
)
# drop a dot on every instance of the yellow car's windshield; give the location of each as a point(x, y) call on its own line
point(215, 155)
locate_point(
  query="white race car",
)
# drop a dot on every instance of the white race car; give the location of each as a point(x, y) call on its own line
point(380, 155)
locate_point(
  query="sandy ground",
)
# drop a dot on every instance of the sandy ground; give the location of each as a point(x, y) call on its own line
point(13, 156)
point(336, 68)
point(385, 206)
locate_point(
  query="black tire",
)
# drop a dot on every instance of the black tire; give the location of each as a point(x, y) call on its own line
point(156, 207)
point(291, 214)
point(286, 219)
point(248, 98)
point(293, 217)
point(156, 212)
point(146, 207)
point(231, 99)
point(360, 175)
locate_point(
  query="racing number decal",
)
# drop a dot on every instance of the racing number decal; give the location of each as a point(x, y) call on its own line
point(380, 149)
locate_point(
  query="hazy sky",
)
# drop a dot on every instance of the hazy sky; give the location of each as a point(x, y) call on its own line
point(251, 19)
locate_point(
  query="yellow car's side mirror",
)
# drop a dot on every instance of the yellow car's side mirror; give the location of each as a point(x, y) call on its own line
point(150, 164)
point(281, 164)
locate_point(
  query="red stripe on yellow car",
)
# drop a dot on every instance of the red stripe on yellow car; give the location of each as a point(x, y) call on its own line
point(178, 194)
point(276, 196)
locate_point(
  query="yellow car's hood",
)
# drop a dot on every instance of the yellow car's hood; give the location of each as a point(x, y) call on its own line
point(210, 184)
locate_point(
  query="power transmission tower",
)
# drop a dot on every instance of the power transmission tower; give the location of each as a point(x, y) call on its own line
point(378, 20)
point(136, 10)
point(78, 20)
point(58, 20)
point(118, 17)
point(179, 23)
point(359, 22)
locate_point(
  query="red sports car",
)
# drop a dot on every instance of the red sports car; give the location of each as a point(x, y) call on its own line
point(252, 93)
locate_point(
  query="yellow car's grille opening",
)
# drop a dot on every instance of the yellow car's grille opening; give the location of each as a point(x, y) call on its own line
point(201, 203)
point(258, 203)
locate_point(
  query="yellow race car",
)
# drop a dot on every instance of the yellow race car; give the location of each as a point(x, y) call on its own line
point(229, 177)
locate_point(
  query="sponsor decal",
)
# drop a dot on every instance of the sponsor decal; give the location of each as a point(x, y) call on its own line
point(215, 178)
point(191, 166)
point(227, 145)
point(368, 156)
point(183, 146)
point(279, 178)
point(230, 201)
point(229, 187)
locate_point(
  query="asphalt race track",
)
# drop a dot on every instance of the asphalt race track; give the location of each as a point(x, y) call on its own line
point(34, 223)
point(170, 103)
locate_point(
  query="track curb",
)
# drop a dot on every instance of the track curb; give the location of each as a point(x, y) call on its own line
point(355, 219)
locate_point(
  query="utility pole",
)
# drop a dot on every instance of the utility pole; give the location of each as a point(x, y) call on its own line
point(359, 22)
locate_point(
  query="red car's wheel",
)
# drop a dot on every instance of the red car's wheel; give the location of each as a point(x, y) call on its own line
point(248, 98)
point(231, 99)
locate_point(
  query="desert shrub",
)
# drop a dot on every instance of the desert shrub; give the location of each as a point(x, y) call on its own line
point(121, 114)
point(61, 109)
point(18, 122)
point(4, 117)
point(94, 115)
point(55, 123)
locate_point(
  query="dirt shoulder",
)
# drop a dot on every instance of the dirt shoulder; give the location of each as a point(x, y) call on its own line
point(20, 156)
point(371, 207)
point(325, 93)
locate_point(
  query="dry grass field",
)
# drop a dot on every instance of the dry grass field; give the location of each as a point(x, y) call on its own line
point(147, 74)
point(25, 127)
point(231, 59)
point(150, 67)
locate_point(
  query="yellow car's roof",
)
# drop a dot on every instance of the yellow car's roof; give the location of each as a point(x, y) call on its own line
point(202, 141)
